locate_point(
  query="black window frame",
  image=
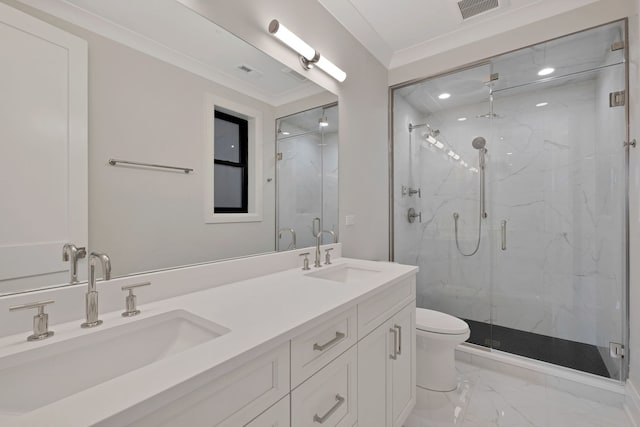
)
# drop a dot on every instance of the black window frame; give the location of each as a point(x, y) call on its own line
point(243, 141)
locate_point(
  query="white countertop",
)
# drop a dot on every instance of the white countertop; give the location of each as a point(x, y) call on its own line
point(261, 314)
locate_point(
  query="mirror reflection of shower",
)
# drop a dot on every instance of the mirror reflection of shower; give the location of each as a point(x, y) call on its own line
point(479, 144)
point(307, 176)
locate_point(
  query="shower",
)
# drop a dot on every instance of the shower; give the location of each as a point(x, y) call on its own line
point(479, 144)
point(556, 291)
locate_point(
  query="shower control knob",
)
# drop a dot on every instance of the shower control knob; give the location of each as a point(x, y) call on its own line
point(412, 215)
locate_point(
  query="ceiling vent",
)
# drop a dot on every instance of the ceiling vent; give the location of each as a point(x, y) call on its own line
point(469, 8)
point(249, 71)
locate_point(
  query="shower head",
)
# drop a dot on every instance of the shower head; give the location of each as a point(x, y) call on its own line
point(479, 142)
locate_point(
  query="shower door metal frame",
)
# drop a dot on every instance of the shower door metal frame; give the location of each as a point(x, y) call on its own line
point(625, 333)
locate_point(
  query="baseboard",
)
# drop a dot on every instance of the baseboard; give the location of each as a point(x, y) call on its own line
point(632, 403)
point(579, 384)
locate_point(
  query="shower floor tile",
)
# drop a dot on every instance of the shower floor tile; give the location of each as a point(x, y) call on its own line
point(488, 398)
point(570, 354)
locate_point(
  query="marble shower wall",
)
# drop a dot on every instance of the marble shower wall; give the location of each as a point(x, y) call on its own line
point(308, 186)
point(556, 174)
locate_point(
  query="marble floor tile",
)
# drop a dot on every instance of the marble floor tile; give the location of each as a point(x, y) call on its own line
point(488, 398)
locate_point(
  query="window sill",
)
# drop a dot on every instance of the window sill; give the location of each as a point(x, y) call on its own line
point(232, 217)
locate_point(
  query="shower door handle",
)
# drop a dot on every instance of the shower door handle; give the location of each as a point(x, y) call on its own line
point(503, 233)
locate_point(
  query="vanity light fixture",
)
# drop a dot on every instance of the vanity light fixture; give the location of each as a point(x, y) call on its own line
point(546, 71)
point(444, 95)
point(309, 57)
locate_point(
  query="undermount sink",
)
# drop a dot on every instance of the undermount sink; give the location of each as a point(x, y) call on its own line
point(38, 377)
point(344, 273)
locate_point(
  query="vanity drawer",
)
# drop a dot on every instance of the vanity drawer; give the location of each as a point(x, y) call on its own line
point(314, 349)
point(241, 394)
point(379, 308)
point(276, 416)
point(329, 398)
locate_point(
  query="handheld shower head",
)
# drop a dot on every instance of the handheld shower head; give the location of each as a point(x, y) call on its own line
point(479, 142)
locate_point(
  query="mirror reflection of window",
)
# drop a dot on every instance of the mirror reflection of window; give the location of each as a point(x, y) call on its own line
point(231, 173)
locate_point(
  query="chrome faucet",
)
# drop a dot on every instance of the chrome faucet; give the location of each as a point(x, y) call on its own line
point(92, 294)
point(72, 254)
point(293, 235)
point(317, 262)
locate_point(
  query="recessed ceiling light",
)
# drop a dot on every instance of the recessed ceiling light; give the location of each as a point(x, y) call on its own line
point(542, 104)
point(462, 119)
point(323, 122)
point(444, 95)
point(284, 132)
point(546, 71)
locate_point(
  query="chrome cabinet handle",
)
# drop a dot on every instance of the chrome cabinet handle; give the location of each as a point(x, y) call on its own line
point(394, 331)
point(503, 232)
point(399, 328)
point(322, 419)
point(40, 320)
point(321, 347)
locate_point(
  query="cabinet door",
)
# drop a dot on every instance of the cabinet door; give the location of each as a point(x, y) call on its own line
point(330, 397)
point(403, 368)
point(374, 377)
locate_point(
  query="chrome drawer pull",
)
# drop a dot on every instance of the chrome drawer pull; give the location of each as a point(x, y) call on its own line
point(399, 328)
point(322, 419)
point(394, 331)
point(322, 347)
point(503, 232)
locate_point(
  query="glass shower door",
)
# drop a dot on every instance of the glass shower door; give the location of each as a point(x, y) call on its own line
point(436, 175)
point(558, 202)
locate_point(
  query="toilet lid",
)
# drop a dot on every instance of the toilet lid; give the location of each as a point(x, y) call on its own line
point(441, 323)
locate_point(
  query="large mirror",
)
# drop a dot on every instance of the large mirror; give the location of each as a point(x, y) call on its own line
point(162, 86)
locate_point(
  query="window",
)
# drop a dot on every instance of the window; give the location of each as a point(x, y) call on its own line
point(231, 172)
point(232, 162)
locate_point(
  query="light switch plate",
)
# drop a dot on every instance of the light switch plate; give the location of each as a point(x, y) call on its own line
point(349, 220)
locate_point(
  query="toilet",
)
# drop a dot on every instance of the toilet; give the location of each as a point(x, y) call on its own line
point(437, 335)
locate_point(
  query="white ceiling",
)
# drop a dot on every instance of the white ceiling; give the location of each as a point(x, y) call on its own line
point(404, 31)
point(575, 58)
point(168, 30)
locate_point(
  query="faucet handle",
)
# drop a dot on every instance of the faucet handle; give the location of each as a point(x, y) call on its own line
point(131, 299)
point(40, 320)
point(305, 264)
point(327, 256)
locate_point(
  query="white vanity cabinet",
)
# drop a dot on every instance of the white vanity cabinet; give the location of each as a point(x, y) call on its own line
point(276, 416)
point(356, 367)
point(386, 371)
